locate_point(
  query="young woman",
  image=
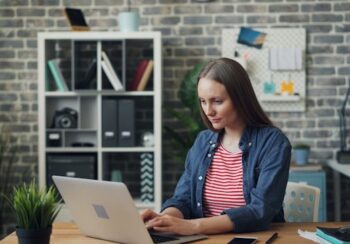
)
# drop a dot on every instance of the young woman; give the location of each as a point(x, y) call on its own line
point(237, 171)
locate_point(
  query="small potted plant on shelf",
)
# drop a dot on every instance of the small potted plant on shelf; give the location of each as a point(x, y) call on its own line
point(129, 20)
point(301, 153)
point(35, 211)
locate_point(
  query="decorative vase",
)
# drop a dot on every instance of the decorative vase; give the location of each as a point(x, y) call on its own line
point(301, 156)
point(129, 21)
point(33, 236)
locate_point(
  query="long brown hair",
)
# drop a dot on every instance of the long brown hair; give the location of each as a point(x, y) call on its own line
point(237, 83)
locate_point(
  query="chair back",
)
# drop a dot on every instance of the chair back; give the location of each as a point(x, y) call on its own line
point(301, 202)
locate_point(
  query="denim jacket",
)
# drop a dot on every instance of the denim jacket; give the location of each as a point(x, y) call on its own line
point(266, 153)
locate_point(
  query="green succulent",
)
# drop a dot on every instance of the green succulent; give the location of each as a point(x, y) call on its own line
point(34, 208)
point(301, 146)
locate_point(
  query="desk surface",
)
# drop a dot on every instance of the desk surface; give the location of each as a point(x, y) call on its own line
point(67, 233)
point(341, 168)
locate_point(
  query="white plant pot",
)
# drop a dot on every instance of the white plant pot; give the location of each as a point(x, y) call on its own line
point(129, 21)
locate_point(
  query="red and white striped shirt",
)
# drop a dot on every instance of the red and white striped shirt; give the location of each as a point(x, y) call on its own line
point(223, 186)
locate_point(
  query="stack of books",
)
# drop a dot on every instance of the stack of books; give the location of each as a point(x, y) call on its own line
point(61, 84)
point(142, 75)
point(334, 235)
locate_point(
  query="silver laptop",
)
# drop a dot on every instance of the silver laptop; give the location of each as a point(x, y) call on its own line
point(106, 210)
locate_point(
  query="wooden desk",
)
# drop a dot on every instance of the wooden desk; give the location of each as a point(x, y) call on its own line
point(68, 233)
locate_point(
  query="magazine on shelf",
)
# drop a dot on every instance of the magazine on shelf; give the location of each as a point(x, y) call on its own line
point(146, 76)
point(110, 72)
point(57, 75)
point(140, 69)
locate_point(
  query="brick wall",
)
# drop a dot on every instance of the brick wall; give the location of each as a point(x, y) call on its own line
point(191, 33)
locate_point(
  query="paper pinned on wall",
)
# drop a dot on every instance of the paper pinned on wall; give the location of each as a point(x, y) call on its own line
point(282, 58)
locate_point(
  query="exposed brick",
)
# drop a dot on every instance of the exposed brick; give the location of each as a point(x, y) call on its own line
point(69, 3)
point(39, 23)
point(199, 41)
point(328, 39)
point(194, 9)
point(7, 54)
point(166, 20)
point(103, 22)
point(318, 7)
point(8, 97)
point(329, 60)
point(296, 18)
point(191, 30)
point(162, 10)
point(29, 12)
point(327, 18)
point(344, 70)
point(229, 19)
point(330, 81)
point(321, 71)
point(45, 2)
point(197, 20)
point(189, 52)
point(173, 41)
point(164, 30)
point(11, 65)
point(7, 75)
point(317, 134)
point(343, 49)
point(320, 49)
point(6, 12)
point(300, 124)
point(7, 3)
point(327, 123)
point(283, 8)
point(342, 6)
point(220, 9)
point(342, 28)
point(252, 8)
point(172, 1)
point(11, 23)
point(324, 28)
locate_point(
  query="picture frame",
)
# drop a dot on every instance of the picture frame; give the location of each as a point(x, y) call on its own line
point(76, 19)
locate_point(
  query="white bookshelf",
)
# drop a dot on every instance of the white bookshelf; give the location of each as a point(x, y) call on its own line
point(88, 102)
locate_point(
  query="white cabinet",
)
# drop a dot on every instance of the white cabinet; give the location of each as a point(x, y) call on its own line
point(73, 122)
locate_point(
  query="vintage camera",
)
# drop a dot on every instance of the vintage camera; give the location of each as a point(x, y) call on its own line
point(65, 118)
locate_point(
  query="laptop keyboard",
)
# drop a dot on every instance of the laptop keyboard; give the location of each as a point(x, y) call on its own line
point(160, 239)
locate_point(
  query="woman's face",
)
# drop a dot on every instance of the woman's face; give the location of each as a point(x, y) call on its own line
point(217, 104)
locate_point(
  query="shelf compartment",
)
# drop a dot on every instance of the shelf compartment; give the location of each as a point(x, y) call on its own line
point(79, 138)
point(60, 51)
point(54, 108)
point(81, 165)
point(88, 111)
point(113, 126)
point(85, 65)
point(136, 170)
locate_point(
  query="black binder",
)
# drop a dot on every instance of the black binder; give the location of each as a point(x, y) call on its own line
point(109, 123)
point(126, 123)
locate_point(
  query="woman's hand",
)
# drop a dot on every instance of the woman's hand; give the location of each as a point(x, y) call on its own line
point(148, 214)
point(168, 223)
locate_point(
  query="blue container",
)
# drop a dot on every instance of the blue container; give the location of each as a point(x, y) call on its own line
point(301, 156)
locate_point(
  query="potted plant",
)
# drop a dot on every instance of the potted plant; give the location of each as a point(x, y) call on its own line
point(7, 160)
point(189, 117)
point(35, 211)
point(301, 153)
point(129, 20)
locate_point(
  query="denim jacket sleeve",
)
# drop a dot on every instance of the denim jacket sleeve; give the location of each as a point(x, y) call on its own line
point(266, 196)
point(182, 195)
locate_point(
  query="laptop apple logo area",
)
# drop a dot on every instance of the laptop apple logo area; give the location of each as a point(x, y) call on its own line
point(100, 211)
point(109, 207)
